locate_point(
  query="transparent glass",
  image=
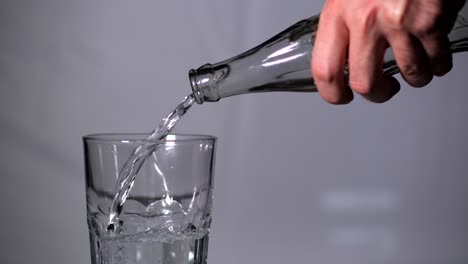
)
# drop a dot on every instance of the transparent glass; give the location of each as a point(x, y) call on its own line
point(167, 215)
point(282, 64)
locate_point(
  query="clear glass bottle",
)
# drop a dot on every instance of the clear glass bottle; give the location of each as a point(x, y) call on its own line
point(282, 63)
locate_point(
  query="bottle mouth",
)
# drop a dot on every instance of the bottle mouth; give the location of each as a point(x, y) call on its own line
point(203, 84)
point(196, 91)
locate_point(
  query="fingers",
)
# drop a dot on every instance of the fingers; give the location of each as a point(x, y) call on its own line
point(411, 58)
point(385, 88)
point(329, 59)
point(437, 48)
point(430, 24)
point(366, 52)
point(416, 30)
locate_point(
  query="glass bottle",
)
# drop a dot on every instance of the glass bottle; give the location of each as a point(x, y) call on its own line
point(282, 63)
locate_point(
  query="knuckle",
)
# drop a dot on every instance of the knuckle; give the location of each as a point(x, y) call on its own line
point(367, 18)
point(394, 23)
point(429, 24)
point(425, 27)
point(328, 84)
point(394, 14)
point(324, 74)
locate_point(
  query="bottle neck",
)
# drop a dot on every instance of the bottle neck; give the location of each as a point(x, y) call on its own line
point(282, 63)
point(459, 35)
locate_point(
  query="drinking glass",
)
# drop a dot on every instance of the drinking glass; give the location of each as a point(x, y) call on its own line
point(167, 214)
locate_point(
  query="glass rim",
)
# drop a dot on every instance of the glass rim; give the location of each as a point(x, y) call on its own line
point(141, 138)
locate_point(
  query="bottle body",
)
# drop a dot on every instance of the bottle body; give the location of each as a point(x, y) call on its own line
point(282, 63)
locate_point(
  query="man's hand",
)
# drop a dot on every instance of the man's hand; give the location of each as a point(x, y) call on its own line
point(358, 32)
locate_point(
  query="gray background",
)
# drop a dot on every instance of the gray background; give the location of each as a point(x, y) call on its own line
point(297, 180)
